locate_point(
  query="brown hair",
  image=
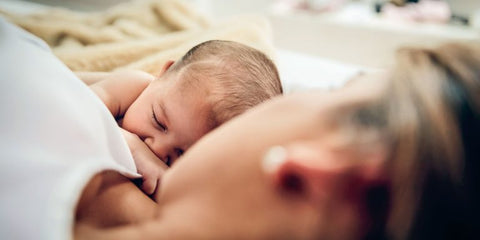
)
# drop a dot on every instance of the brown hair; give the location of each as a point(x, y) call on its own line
point(236, 77)
point(434, 117)
point(428, 117)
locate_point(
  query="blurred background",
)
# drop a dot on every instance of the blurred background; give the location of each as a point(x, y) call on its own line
point(362, 32)
point(324, 38)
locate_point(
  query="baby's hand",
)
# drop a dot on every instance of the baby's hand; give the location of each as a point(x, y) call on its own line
point(148, 164)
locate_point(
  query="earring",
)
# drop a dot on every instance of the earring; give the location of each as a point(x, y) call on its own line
point(273, 158)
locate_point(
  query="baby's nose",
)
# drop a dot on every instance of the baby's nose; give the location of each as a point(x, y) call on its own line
point(169, 157)
point(160, 149)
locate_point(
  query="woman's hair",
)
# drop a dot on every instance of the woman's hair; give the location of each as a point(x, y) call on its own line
point(429, 119)
point(433, 106)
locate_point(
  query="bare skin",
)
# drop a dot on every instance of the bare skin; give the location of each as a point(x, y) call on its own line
point(209, 193)
point(158, 120)
point(118, 90)
point(110, 200)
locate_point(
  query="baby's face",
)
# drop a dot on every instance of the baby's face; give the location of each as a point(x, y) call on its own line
point(168, 119)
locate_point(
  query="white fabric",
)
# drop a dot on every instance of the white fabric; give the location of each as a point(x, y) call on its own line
point(301, 72)
point(55, 134)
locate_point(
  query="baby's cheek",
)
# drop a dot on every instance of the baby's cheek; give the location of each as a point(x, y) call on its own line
point(127, 121)
point(135, 126)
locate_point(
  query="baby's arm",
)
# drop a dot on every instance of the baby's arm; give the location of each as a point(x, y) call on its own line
point(148, 164)
point(117, 89)
point(90, 78)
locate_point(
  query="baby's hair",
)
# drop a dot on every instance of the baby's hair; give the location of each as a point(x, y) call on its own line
point(236, 77)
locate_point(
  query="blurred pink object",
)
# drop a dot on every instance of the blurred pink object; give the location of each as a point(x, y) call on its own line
point(423, 11)
point(308, 5)
point(324, 5)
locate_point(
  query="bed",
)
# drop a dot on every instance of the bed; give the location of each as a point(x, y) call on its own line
point(143, 45)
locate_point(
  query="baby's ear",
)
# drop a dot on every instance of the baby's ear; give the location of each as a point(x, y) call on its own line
point(165, 67)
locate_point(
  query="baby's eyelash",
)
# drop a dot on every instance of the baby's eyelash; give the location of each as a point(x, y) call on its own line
point(159, 124)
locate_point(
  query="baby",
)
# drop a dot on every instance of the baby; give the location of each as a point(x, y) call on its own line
point(212, 83)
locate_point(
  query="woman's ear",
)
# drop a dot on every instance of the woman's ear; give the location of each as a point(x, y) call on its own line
point(312, 171)
point(165, 67)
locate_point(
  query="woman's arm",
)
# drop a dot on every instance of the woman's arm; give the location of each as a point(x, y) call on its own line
point(153, 230)
point(111, 199)
point(118, 90)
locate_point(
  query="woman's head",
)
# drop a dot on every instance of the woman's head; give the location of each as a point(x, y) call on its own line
point(367, 161)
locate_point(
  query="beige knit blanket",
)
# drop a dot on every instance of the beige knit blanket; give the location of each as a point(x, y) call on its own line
point(140, 34)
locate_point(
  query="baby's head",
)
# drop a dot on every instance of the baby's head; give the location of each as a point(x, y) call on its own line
point(212, 83)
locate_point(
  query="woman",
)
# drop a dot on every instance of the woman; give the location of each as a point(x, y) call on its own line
point(387, 156)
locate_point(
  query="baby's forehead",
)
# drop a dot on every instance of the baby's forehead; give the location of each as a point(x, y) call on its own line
point(219, 87)
point(197, 97)
point(206, 80)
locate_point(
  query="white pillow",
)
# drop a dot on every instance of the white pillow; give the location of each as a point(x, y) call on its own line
point(300, 72)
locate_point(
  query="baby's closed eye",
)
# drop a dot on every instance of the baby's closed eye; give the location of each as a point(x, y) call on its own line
point(158, 123)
